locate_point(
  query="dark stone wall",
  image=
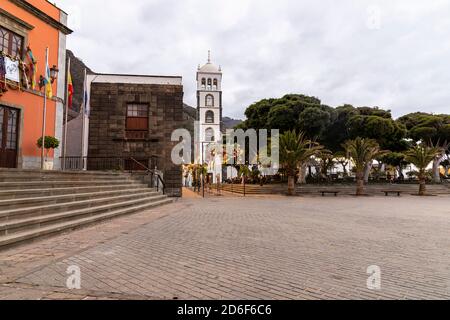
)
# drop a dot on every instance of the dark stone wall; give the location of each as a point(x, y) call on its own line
point(107, 131)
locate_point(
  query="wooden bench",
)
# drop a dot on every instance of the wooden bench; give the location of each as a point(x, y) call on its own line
point(387, 192)
point(328, 191)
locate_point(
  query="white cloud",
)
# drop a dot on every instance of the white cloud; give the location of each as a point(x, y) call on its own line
point(269, 48)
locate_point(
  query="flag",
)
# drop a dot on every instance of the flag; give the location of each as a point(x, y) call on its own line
point(85, 105)
point(33, 68)
point(69, 89)
point(47, 82)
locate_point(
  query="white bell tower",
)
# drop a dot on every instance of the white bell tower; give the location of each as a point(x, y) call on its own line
point(209, 106)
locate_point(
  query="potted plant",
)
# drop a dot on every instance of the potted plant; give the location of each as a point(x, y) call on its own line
point(50, 143)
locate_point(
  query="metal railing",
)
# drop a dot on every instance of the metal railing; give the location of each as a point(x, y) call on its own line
point(123, 164)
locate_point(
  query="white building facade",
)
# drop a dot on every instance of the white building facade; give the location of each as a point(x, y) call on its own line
point(209, 106)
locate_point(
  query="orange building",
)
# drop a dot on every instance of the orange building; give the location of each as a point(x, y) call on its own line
point(27, 28)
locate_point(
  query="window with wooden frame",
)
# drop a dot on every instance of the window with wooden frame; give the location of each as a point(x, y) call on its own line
point(137, 121)
point(11, 43)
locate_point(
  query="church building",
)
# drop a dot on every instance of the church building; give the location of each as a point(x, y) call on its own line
point(209, 106)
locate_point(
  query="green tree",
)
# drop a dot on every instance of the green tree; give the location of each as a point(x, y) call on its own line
point(421, 156)
point(431, 129)
point(281, 117)
point(338, 131)
point(314, 121)
point(295, 148)
point(50, 143)
point(362, 152)
point(397, 160)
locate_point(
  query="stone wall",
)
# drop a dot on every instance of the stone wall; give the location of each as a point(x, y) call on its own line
point(107, 134)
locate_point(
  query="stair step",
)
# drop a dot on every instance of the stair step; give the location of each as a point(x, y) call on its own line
point(15, 193)
point(53, 177)
point(73, 172)
point(52, 208)
point(53, 199)
point(40, 184)
point(55, 228)
point(20, 223)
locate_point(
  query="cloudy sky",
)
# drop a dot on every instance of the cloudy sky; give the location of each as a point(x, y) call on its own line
point(392, 54)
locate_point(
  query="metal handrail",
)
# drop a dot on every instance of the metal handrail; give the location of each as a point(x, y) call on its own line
point(152, 172)
point(110, 163)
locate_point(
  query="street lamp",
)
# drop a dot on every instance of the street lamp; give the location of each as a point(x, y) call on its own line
point(53, 75)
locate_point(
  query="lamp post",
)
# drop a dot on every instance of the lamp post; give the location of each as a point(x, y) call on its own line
point(203, 163)
point(53, 73)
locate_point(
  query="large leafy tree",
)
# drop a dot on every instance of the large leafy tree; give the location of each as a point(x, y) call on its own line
point(421, 156)
point(431, 129)
point(377, 124)
point(295, 149)
point(338, 131)
point(362, 152)
point(314, 121)
point(281, 117)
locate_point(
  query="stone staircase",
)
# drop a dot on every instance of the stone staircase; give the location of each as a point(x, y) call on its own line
point(37, 203)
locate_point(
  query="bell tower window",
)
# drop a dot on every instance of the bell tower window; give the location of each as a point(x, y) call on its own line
point(209, 100)
point(209, 134)
point(209, 116)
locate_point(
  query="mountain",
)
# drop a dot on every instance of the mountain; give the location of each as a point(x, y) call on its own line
point(77, 67)
point(230, 123)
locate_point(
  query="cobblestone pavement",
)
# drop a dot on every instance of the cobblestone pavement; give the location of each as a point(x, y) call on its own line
point(247, 248)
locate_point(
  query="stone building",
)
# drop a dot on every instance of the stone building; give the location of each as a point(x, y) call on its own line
point(134, 116)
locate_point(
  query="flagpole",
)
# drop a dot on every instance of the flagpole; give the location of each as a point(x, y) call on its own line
point(44, 115)
point(83, 114)
point(67, 112)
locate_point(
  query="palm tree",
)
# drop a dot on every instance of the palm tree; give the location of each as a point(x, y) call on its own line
point(421, 156)
point(243, 172)
point(294, 150)
point(362, 151)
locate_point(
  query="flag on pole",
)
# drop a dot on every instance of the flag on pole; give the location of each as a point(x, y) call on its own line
point(85, 95)
point(69, 89)
point(47, 81)
point(33, 68)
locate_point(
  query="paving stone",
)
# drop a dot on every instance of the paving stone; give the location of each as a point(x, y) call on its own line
point(251, 248)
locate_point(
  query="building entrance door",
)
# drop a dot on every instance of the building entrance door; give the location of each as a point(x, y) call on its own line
point(9, 129)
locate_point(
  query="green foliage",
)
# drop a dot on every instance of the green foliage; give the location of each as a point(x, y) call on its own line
point(394, 159)
point(361, 151)
point(333, 126)
point(421, 156)
point(295, 148)
point(282, 118)
point(50, 142)
point(314, 121)
point(429, 128)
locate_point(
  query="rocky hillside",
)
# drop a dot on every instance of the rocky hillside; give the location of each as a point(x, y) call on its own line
point(230, 123)
point(77, 67)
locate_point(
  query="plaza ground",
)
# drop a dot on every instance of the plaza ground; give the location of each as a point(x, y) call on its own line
point(231, 247)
